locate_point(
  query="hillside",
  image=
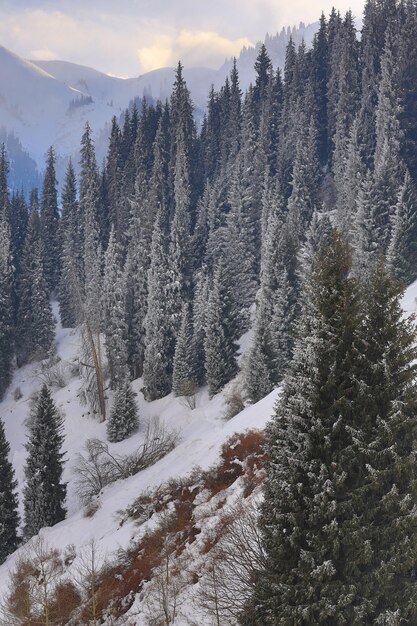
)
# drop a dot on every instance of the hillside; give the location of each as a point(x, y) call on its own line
point(201, 434)
point(115, 523)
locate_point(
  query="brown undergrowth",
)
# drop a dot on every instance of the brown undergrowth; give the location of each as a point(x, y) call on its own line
point(242, 458)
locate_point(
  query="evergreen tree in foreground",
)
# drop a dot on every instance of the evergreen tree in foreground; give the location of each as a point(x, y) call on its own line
point(123, 420)
point(44, 493)
point(9, 517)
point(338, 520)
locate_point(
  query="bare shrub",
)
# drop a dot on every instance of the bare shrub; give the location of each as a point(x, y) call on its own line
point(100, 467)
point(233, 565)
point(37, 592)
point(17, 395)
point(54, 373)
point(187, 392)
point(235, 403)
point(91, 563)
point(92, 507)
point(162, 595)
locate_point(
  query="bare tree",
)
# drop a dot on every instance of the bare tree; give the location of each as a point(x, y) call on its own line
point(32, 584)
point(90, 565)
point(91, 362)
point(162, 596)
point(233, 565)
point(100, 467)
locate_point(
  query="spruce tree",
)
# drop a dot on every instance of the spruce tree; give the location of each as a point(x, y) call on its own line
point(342, 473)
point(123, 419)
point(50, 236)
point(9, 516)
point(44, 492)
point(220, 333)
point(402, 251)
point(159, 345)
point(184, 376)
point(6, 307)
point(113, 313)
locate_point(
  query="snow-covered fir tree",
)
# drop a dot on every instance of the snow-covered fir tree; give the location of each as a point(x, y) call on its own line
point(44, 492)
point(157, 366)
point(34, 314)
point(123, 420)
point(9, 516)
point(6, 307)
point(113, 312)
point(402, 250)
point(50, 234)
point(342, 432)
point(184, 375)
point(220, 346)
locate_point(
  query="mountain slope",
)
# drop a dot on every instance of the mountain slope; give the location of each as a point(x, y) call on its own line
point(202, 433)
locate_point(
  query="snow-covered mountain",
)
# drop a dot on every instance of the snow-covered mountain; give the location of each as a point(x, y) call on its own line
point(45, 103)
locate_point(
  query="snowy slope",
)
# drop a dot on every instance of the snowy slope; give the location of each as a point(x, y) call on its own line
point(36, 98)
point(202, 432)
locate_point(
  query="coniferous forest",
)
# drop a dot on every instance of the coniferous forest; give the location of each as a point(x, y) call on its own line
point(291, 212)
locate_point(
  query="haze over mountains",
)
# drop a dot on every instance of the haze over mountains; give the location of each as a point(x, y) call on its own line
point(45, 103)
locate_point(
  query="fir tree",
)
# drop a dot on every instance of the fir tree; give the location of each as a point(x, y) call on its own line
point(157, 366)
point(9, 516)
point(51, 245)
point(342, 471)
point(180, 241)
point(71, 253)
point(402, 251)
point(44, 492)
point(113, 312)
point(184, 376)
point(6, 307)
point(220, 333)
point(123, 419)
point(35, 321)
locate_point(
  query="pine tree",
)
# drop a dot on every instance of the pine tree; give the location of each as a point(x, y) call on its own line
point(184, 376)
point(44, 492)
point(9, 516)
point(402, 251)
point(342, 471)
point(6, 307)
point(157, 366)
point(123, 419)
point(51, 245)
point(113, 312)
point(35, 323)
point(220, 333)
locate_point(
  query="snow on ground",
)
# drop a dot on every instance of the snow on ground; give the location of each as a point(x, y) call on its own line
point(202, 432)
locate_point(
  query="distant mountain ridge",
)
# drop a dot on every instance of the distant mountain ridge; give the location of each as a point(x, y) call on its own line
point(45, 103)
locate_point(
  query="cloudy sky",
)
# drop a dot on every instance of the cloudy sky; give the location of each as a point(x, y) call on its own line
point(129, 37)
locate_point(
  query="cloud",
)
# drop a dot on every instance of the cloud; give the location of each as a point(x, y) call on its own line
point(204, 48)
point(43, 54)
point(133, 36)
point(159, 54)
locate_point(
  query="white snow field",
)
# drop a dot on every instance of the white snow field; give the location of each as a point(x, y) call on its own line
point(202, 432)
